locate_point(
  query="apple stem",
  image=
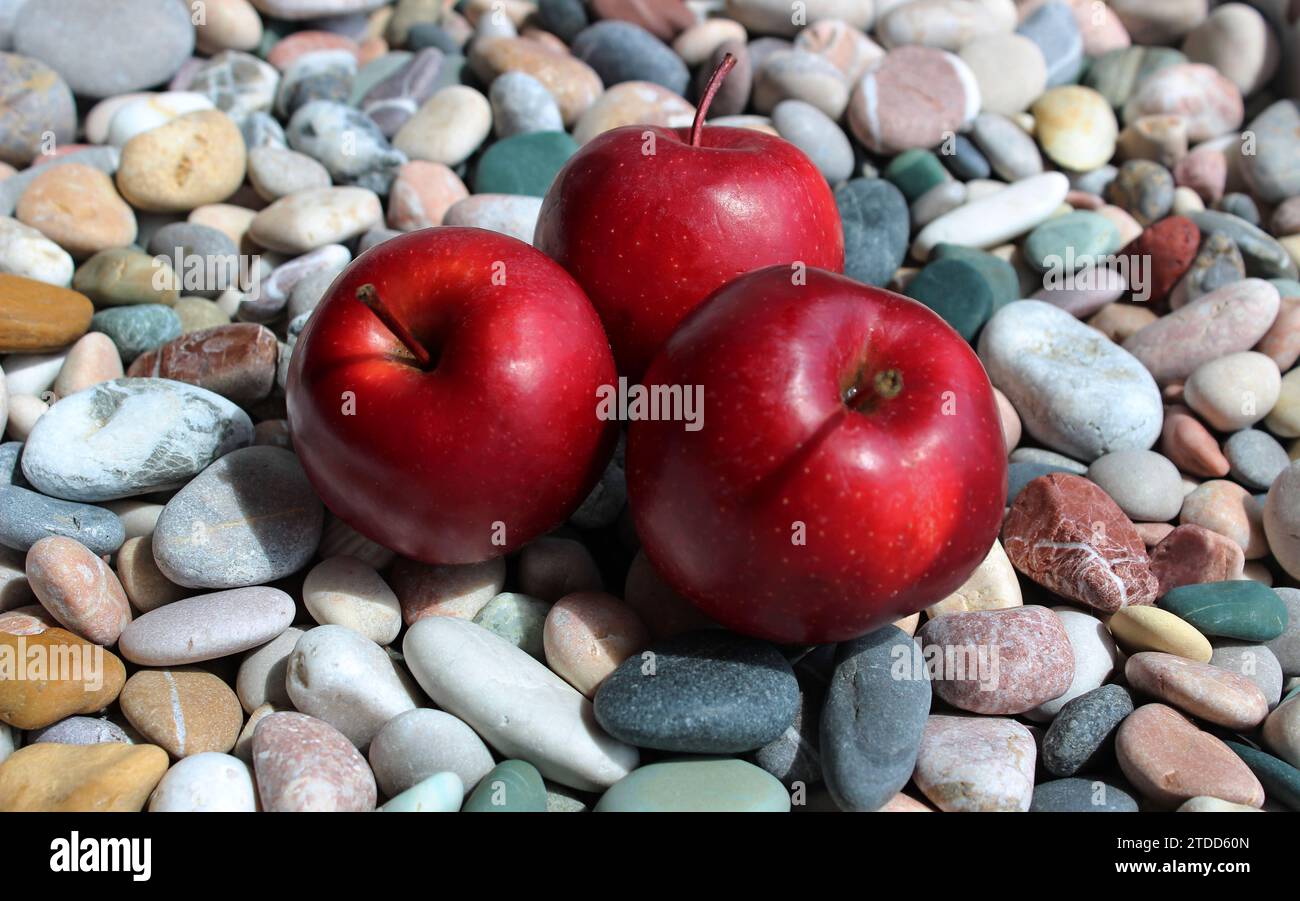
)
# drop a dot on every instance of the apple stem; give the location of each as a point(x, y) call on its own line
point(711, 89)
point(368, 294)
point(888, 382)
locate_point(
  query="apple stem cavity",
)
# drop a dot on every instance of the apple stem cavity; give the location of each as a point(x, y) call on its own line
point(885, 385)
point(368, 294)
point(715, 83)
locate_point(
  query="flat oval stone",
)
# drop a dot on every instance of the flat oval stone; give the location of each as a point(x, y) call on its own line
point(345, 679)
point(26, 517)
point(137, 328)
point(309, 220)
point(1169, 760)
point(207, 627)
point(125, 275)
point(250, 518)
point(587, 635)
point(36, 317)
point(912, 99)
point(347, 142)
point(93, 680)
point(996, 218)
point(1066, 534)
point(1287, 647)
point(420, 743)
point(1282, 731)
point(80, 730)
point(448, 128)
point(1145, 485)
point(1095, 659)
point(817, 135)
point(55, 778)
point(79, 589)
point(440, 793)
point(621, 51)
point(1256, 458)
point(1081, 796)
point(195, 159)
point(957, 291)
point(1209, 103)
point(129, 437)
point(208, 782)
point(513, 786)
point(345, 591)
point(523, 164)
point(976, 764)
point(236, 361)
point(519, 706)
point(1199, 689)
point(1271, 171)
point(1241, 609)
point(1263, 256)
point(701, 692)
point(1082, 733)
point(1280, 780)
point(998, 661)
point(261, 677)
point(1076, 391)
point(1152, 629)
point(506, 214)
point(303, 764)
point(873, 719)
point(697, 785)
point(183, 711)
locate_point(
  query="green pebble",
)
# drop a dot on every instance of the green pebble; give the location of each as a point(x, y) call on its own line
point(137, 328)
point(697, 785)
point(1241, 609)
point(998, 273)
point(517, 618)
point(440, 793)
point(1088, 234)
point(523, 164)
point(1116, 74)
point(1281, 781)
point(512, 786)
point(914, 172)
point(957, 291)
point(1287, 287)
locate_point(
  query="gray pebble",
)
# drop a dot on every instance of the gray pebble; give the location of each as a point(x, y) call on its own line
point(1254, 661)
point(1146, 485)
point(813, 132)
point(521, 104)
point(620, 51)
point(26, 517)
point(348, 143)
point(1256, 458)
point(81, 730)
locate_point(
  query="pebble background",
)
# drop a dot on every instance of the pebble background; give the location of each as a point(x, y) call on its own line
point(261, 655)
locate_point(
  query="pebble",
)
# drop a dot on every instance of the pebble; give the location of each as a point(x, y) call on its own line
point(59, 778)
point(26, 517)
point(80, 451)
point(1038, 356)
point(622, 51)
point(587, 635)
point(992, 586)
point(78, 208)
point(1076, 240)
point(80, 730)
point(1287, 647)
point(201, 155)
point(126, 276)
point(35, 702)
point(875, 218)
point(1234, 391)
point(514, 702)
point(1199, 689)
point(1145, 485)
point(506, 214)
point(1169, 760)
point(1009, 150)
point(1095, 660)
point(1010, 70)
point(1281, 732)
point(957, 291)
point(309, 220)
point(1082, 733)
point(636, 103)
point(1264, 257)
point(78, 589)
point(997, 218)
point(1228, 320)
point(813, 132)
point(1052, 27)
point(1081, 796)
point(36, 108)
point(872, 722)
point(1208, 103)
point(393, 99)
point(1153, 629)
point(711, 693)
point(206, 782)
point(234, 361)
point(517, 618)
point(207, 627)
point(1271, 171)
point(573, 83)
point(523, 164)
point(183, 711)
point(1280, 780)
point(887, 113)
point(1256, 458)
point(1253, 661)
point(521, 104)
point(1144, 189)
point(1191, 554)
point(347, 143)
point(417, 744)
point(276, 172)
point(346, 592)
point(303, 764)
point(846, 47)
point(513, 786)
point(798, 75)
point(1227, 508)
point(1190, 446)
point(93, 359)
point(37, 317)
point(142, 43)
point(1034, 662)
point(249, 518)
point(697, 785)
point(26, 253)
point(145, 585)
point(552, 567)
point(342, 677)
point(132, 330)
point(976, 764)
point(440, 793)
point(459, 590)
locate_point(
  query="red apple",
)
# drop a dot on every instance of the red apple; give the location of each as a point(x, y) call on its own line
point(495, 439)
point(850, 468)
point(651, 221)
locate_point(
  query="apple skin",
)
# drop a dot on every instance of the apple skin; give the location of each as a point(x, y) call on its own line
point(900, 502)
point(650, 236)
point(503, 429)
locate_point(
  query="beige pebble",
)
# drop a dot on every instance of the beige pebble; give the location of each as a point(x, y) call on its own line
point(992, 586)
point(78, 208)
point(24, 410)
point(302, 222)
point(1229, 509)
point(195, 159)
point(92, 360)
point(145, 585)
point(344, 591)
point(696, 44)
point(633, 103)
point(1152, 629)
point(1235, 391)
point(448, 128)
point(587, 635)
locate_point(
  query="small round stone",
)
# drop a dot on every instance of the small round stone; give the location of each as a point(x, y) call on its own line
point(304, 764)
point(414, 745)
point(587, 635)
point(1083, 730)
point(206, 782)
point(78, 589)
point(184, 711)
point(706, 785)
point(1234, 391)
point(195, 159)
point(1146, 485)
point(345, 591)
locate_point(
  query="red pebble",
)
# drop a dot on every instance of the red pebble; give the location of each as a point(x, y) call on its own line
point(1170, 245)
point(1192, 554)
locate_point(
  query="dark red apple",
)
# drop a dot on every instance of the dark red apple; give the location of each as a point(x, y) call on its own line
point(651, 221)
point(442, 397)
point(850, 468)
